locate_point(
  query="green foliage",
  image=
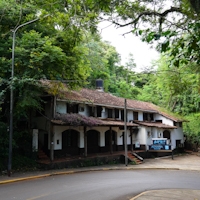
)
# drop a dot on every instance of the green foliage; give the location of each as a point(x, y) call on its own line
point(173, 88)
point(192, 129)
point(103, 60)
point(4, 138)
point(23, 163)
point(49, 47)
point(64, 45)
point(22, 142)
point(132, 163)
point(22, 151)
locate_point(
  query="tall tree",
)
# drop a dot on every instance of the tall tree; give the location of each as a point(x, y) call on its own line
point(47, 48)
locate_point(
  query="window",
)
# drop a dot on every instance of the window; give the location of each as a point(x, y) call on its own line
point(135, 115)
point(166, 134)
point(180, 124)
point(178, 143)
point(81, 109)
point(116, 113)
point(148, 117)
point(151, 116)
point(99, 110)
point(145, 117)
point(159, 120)
point(91, 111)
point(72, 108)
point(122, 115)
point(110, 113)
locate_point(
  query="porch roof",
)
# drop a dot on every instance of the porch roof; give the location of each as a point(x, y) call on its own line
point(117, 123)
point(100, 123)
point(155, 124)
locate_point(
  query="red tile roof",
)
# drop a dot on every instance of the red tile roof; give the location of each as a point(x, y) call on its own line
point(102, 98)
point(107, 99)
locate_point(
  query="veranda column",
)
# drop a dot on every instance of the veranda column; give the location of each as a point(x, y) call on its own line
point(131, 132)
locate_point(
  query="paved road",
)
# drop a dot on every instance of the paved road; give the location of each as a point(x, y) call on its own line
point(100, 185)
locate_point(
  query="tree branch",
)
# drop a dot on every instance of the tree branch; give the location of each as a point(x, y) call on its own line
point(150, 13)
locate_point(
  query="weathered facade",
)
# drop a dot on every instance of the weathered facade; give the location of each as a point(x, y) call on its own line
point(93, 121)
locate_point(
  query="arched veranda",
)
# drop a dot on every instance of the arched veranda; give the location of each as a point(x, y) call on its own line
point(93, 141)
point(70, 142)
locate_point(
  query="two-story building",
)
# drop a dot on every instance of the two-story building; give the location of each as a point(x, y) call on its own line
point(93, 121)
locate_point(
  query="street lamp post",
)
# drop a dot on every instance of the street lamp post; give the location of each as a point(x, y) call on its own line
point(125, 132)
point(11, 95)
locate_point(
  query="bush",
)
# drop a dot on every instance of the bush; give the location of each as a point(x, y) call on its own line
point(4, 144)
point(23, 157)
point(22, 163)
point(4, 140)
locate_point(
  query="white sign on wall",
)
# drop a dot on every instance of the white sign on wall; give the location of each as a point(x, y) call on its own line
point(137, 144)
point(35, 140)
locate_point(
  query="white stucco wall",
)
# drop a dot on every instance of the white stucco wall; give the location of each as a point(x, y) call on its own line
point(119, 137)
point(148, 136)
point(154, 132)
point(140, 116)
point(141, 135)
point(59, 129)
point(164, 119)
point(128, 137)
point(102, 136)
point(58, 136)
point(81, 140)
point(176, 134)
point(129, 115)
point(61, 107)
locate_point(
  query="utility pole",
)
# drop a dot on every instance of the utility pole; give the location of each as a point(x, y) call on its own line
point(11, 93)
point(125, 133)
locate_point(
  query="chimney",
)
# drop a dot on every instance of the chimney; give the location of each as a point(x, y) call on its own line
point(99, 85)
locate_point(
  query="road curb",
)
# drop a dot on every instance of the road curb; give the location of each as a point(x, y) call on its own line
point(80, 171)
point(25, 178)
point(137, 196)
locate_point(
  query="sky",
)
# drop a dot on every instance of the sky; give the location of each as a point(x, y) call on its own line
point(142, 53)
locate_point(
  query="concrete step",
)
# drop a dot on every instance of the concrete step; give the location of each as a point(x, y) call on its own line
point(133, 158)
point(42, 155)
